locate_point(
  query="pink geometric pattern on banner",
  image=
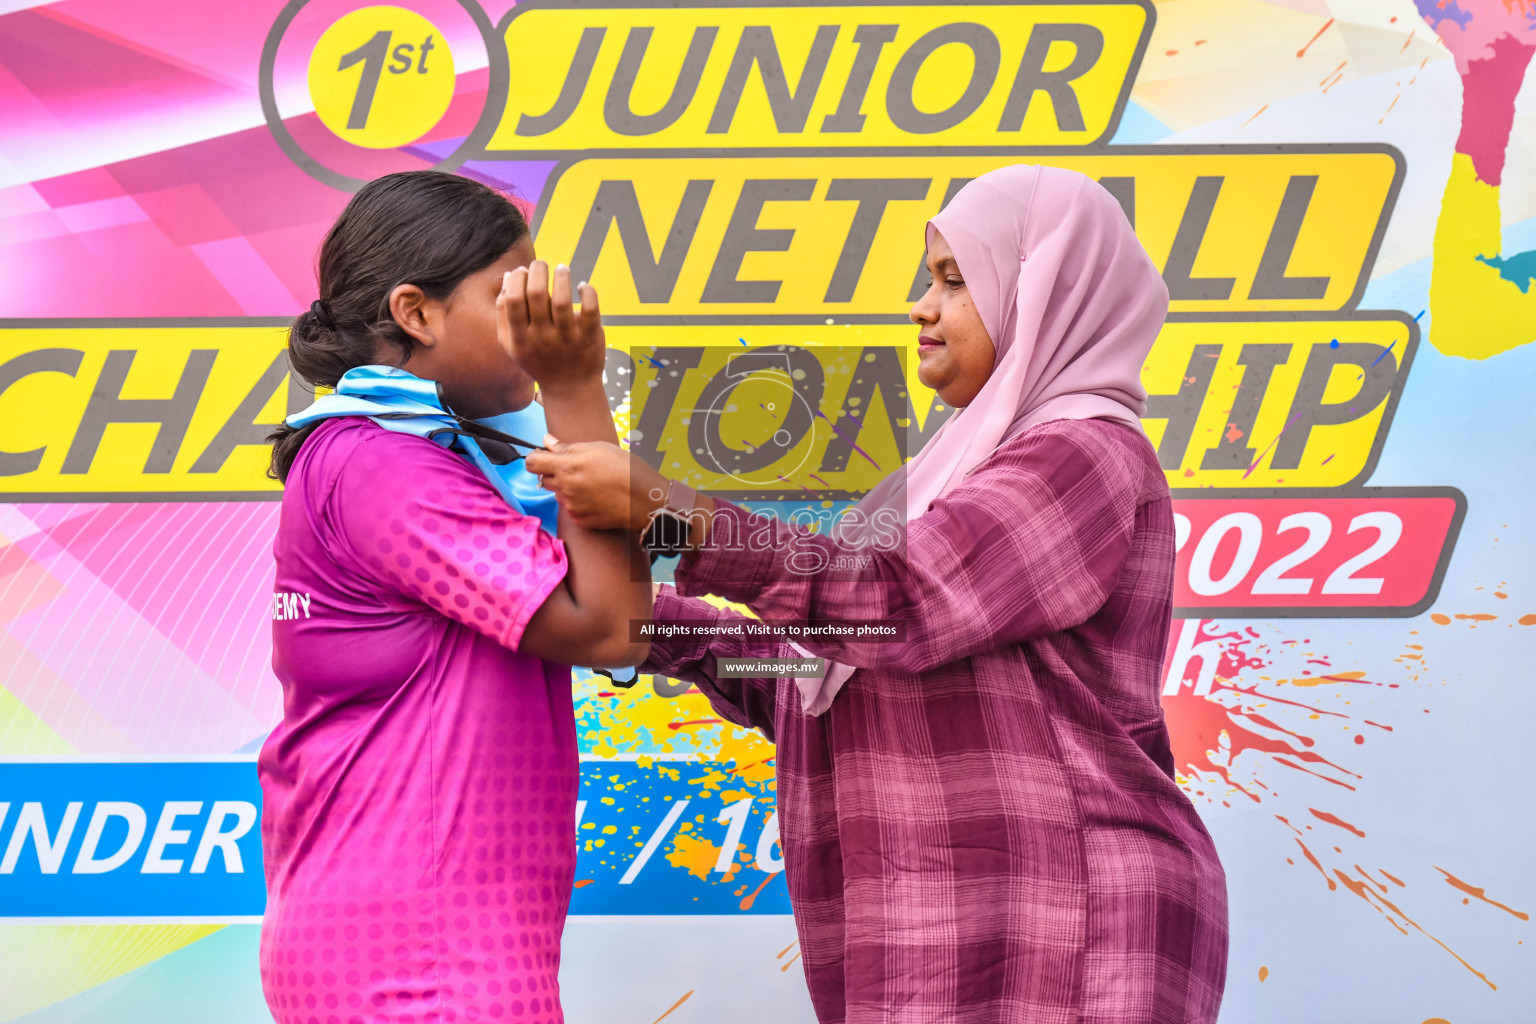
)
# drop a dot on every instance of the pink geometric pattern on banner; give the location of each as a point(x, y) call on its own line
point(110, 602)
point(173, 199)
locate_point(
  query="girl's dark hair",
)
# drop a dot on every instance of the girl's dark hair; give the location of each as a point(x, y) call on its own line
point(427, 228)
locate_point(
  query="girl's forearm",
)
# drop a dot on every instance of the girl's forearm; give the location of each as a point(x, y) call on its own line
point(609, 574)
point(579, 413)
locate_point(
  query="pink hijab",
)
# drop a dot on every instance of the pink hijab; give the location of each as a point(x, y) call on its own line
point(1072, 304)
point(1071, 301)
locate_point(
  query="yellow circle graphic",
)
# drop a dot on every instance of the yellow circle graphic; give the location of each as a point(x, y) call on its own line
point(381, 77)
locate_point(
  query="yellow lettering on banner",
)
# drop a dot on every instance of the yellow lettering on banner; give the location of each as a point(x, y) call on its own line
point(766, 411)
point(1258, 403)
point(776, 412)
point(1260, 230)
point(700, 75)
point(131, 411)
point(1275, 403)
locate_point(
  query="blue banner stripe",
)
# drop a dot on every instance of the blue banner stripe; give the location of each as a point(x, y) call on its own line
point(156, 840)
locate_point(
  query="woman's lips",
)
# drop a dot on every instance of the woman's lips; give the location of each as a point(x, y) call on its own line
point(927, 344)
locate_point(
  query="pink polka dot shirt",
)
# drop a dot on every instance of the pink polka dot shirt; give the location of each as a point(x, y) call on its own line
point(420, 792)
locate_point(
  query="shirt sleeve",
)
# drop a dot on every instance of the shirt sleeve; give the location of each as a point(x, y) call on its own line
point(425, 525)
point(748, 702)
point(1031, 543)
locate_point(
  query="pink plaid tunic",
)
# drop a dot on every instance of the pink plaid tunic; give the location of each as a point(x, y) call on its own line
point(984, 827)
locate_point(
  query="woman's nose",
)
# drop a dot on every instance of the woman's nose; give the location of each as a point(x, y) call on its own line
point(924, 312)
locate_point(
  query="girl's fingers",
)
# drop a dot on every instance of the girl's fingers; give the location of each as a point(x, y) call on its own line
point(589, 318)
point(514, 299)
point(503, 328)
point(560, 300)
point(538, 293)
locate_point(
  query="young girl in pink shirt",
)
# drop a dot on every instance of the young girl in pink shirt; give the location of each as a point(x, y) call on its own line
point(420, 790)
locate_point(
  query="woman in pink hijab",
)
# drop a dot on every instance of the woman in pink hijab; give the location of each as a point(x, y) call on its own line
point(980, 821)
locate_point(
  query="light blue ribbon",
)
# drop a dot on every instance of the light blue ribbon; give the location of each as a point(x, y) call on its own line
point(407, 404)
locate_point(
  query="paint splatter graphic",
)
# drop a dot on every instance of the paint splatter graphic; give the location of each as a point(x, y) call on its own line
point(1257, 715)
point(675, 785)
point(791, 961)
point(1482, 303)
point(674, 1006)
point(1264, 717)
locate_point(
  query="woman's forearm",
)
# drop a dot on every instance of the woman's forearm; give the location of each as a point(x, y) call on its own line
point(748, 701)
point(741, 556)
point(1033, 542)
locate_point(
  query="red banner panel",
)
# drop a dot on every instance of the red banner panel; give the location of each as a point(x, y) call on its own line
point(1370, 552)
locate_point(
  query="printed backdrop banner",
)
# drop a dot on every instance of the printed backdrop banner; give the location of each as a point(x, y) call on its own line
point(1341, 195)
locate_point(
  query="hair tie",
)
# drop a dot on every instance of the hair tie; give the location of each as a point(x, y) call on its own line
point(321, 316)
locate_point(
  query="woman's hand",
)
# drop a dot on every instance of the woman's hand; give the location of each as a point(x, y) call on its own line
point(537, 325)
point(600, 485)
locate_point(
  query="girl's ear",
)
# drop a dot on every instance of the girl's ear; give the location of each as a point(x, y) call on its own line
point(407, 305)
